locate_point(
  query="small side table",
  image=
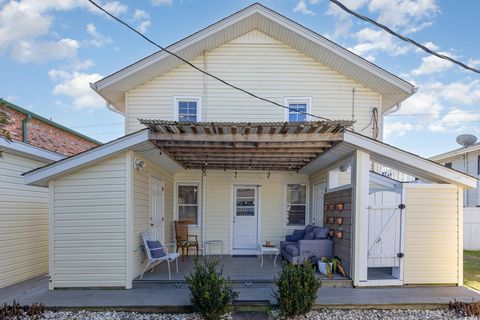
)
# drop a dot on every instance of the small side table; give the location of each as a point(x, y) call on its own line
point(207, 245)
point(268, 250)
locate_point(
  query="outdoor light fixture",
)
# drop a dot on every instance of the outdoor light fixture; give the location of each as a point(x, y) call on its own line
point(139, 164)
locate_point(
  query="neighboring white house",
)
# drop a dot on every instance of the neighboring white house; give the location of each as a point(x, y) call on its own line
point(188, 134)
point(467, 160)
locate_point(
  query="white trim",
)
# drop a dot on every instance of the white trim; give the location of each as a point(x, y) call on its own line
point(361, 183)
point(196, 183)
point(129, 220)
point(347, 160)
point(307, 207)
point(33, 152)
point(51, 235)
point(197, 99)
point(460, 236)
point(380, 283)
point(444, 157)
point(288, 100)
point(314, 207)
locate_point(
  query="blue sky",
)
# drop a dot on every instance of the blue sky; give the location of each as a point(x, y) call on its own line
point(50, 50)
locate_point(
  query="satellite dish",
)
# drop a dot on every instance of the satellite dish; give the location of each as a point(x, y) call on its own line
point(466, 140)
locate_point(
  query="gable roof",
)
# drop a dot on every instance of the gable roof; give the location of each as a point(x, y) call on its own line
point(30, 151)
point(256, 16)
point(455, 153)
point(390, 156)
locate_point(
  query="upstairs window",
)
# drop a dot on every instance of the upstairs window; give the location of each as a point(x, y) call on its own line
point(187, 109)
point(297, 107)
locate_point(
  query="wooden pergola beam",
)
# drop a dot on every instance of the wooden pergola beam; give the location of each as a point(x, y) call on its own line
point(232, 145)
point(304, 137)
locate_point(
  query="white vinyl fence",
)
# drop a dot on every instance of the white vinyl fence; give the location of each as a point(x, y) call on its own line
point(471, 228)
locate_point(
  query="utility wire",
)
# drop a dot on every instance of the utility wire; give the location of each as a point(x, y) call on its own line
point(201, 70)
point(406, 39)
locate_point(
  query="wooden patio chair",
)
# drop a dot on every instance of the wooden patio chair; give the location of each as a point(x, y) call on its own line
point(183, 239)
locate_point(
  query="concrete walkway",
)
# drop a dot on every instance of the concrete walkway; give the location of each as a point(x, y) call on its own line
point(152, 298)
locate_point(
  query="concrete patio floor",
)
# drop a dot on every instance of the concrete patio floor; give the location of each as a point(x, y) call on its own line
point(162, 299)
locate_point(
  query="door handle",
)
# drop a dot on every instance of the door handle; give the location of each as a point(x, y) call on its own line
point(151, 224)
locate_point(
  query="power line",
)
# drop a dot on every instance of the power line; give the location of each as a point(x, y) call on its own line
point(98, 125)
point(200, 69)
point(406, 39)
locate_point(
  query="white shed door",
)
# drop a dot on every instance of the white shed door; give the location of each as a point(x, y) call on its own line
point(245, 218)
point(157, 219)
point(384, 229)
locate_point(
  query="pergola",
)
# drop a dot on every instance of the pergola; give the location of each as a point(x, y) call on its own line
point(276, 146)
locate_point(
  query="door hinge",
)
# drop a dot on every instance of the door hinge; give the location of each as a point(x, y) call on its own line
point(401, 206)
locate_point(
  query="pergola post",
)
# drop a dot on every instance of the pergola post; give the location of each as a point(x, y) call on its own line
point(361, 186)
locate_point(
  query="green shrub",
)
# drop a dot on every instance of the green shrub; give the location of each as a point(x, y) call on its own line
point(297, 289)
point(210, 294)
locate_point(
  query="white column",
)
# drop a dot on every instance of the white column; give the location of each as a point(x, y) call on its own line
point(460, 236)
point(361, 185)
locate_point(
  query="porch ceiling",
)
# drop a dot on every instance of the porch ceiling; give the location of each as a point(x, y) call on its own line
point(276, 146)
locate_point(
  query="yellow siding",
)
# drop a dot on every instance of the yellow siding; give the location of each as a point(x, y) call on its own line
point(23, 222)
point(218, 199)
point(262, 65)
point(89, 226)
point(141, 208)
point(431, 234)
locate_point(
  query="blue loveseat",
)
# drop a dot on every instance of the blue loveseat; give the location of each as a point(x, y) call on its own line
point(307, 242)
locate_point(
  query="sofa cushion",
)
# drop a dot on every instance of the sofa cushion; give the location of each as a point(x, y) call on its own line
point(292, 250)
point(284, 244)
point(309, 235)
point(156, 250)
point(309, 228)
point(297, 234)
point(321, 233)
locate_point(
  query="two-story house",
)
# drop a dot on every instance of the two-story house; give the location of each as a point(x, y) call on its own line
point(36, 142)
point(242, 170)
point(467, 159)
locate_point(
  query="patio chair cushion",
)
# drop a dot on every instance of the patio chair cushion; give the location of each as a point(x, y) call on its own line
point(284, 244)
point(309, 235)
point(155, 249)
point(292, 250)
point(297, 234)
point(309, 228)
point(320, 233)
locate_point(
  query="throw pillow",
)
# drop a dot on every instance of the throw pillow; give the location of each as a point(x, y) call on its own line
point(156, 249)
point(321, 233)
point(309, 236)
point(297, 235)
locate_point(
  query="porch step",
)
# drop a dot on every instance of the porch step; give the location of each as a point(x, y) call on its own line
point(177, 284)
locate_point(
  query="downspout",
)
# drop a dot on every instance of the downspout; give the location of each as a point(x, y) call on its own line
point(25, 128)
point(386, 113)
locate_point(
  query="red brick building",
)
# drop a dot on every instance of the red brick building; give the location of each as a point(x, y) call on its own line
point(28, 127)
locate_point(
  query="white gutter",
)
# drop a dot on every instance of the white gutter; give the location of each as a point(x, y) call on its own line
point(107, 103)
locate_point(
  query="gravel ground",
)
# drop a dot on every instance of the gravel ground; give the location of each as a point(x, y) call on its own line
point(315, 315)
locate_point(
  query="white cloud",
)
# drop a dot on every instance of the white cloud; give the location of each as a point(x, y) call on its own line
point(370, 42)
point(115, 7)
point(396, 129)
point(98, 39)
point(33, 51)
point(303, 9)
point(432, 64)
point(161, 2)
point(402, 13)
point(25, 24)
point(143, 19)
point(457, 120)
point(76, 86)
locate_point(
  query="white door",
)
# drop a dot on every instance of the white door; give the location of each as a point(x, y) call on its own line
point(245, 216)
point(318, 200)
point(384, 229)
point(157, 219)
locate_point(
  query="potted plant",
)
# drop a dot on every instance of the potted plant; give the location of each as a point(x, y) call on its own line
point(329, 266)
